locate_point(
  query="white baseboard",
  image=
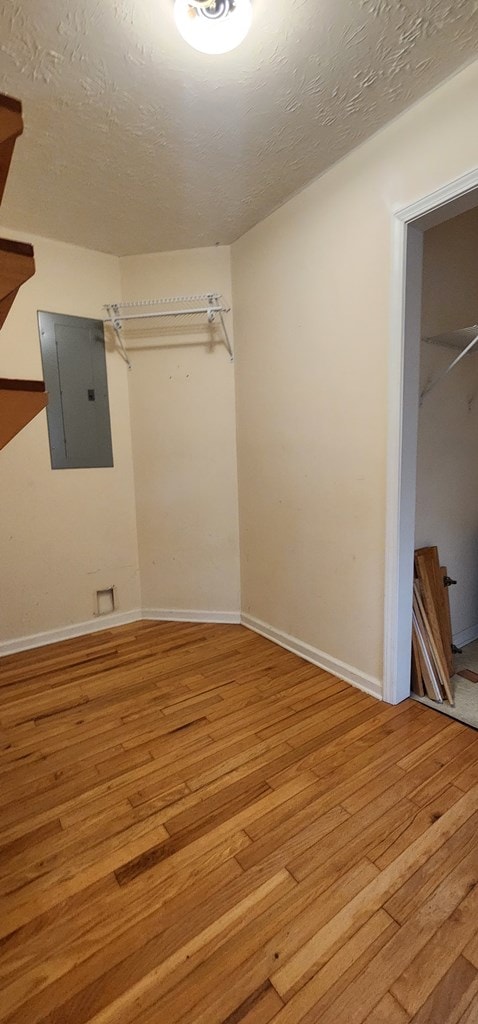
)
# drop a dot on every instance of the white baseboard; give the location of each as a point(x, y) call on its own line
point(303, 650)
point(53, 636)
point(188, 615)
point(466, 636)
point(338, 668)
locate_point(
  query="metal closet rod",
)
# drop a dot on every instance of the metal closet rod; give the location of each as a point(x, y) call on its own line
point(429, 387)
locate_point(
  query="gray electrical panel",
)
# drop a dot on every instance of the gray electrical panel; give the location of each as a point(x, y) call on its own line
point(74, 368)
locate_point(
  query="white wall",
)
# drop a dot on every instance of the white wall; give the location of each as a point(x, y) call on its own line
point(447, 477)
point(312, 314)
point(64, 533)
point(184, 440)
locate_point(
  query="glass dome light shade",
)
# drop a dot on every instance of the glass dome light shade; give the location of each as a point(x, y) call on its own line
point(210, 31)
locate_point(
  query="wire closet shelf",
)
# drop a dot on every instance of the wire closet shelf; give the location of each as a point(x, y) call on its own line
point(463, 340)
point(201, 309)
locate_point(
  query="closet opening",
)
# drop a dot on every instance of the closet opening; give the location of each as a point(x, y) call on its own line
point(431, 626)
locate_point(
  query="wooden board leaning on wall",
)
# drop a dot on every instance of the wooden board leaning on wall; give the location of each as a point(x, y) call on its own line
point(432, 655)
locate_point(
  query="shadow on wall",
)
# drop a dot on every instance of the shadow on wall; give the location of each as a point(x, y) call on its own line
point(167, 336)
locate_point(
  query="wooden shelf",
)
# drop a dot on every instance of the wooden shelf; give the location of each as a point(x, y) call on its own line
point(17, 265)
point(20, 402)
point(11, 126)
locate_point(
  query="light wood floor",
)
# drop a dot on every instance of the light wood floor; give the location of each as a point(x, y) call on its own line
point(199, 827)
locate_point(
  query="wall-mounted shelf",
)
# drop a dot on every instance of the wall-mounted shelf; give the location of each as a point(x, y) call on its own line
point(464, 341)
point(11, 126)
point(20, 402)
point(200, 309)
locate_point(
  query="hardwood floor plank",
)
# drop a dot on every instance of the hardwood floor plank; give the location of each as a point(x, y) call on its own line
point(452, 997)
point(197, 827)
point(399, 838)
point(470, 1015)
point(358, 827)
point(46, 889)
point(245, 964)
point(259, 1008)
point(27, 842)
point(448, 770)
point(471, 950)
point(336, 753)
point(388, 1011)
point(424, 974)
point(123, 993)
point(311, 1000)
point(360, 998)
point(98, 927)
point(433, 871)
point(376, 895)
point(280, 849)
point(467, 778)
point(452, 731)
point(344, 853)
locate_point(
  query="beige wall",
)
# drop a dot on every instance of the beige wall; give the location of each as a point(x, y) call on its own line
point(312, 314)
point(184, 443)
point(64, 533)
point(447, 478)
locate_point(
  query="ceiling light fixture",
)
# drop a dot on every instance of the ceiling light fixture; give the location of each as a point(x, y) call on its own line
point(213, 26)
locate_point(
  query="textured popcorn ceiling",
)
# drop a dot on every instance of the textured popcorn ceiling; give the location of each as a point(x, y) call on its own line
point(134, 142)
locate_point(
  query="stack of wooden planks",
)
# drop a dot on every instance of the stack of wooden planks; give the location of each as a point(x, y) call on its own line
point(432, 655)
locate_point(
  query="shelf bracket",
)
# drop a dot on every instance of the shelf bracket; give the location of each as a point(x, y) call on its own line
point(211, 316)
point(115, 319)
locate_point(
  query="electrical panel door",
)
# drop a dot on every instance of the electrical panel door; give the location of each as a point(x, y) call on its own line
point(74, 365)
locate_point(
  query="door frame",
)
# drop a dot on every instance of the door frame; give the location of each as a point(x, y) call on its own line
point(409, 223)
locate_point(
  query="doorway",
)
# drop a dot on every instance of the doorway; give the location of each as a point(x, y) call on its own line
point(409, 226)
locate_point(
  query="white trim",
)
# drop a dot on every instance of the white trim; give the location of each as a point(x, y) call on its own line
point(402, 421)
point(53, 636)
point(394, 459)
point(187, 615)
point(466, 636)
point(338, 668)
point(427, 205)
point(401, 462)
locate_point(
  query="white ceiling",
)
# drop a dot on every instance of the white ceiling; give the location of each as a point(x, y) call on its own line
point(136, 143)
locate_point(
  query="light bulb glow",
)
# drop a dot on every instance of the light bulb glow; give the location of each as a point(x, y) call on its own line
point(217, 28)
